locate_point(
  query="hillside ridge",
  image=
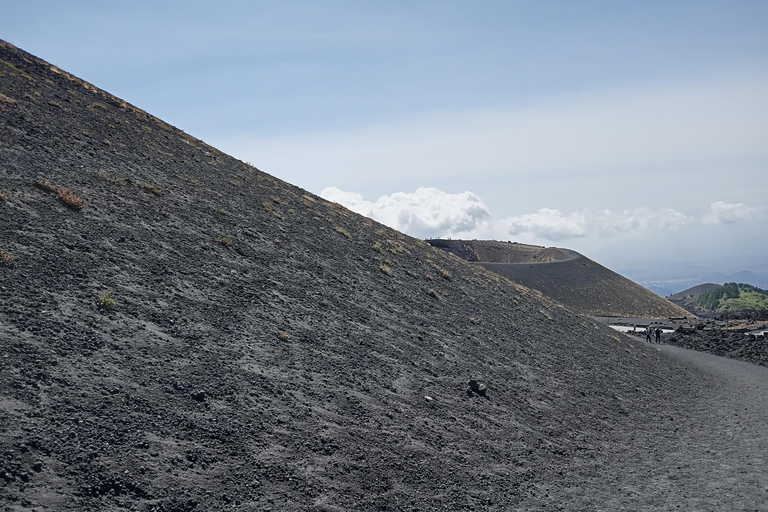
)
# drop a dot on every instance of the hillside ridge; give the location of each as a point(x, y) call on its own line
point(565, 276)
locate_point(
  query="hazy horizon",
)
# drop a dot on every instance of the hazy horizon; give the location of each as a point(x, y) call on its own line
point(634, 133)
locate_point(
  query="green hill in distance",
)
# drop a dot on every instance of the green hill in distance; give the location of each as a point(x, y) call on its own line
point(733, 297)
point(566, 277)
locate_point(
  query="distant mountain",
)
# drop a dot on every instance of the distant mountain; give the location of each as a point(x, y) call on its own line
point(565, 276)
point(673, 285)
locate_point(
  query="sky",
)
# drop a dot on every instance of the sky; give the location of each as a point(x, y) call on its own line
point(633, 132)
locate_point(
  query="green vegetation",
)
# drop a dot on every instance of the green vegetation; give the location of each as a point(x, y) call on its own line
point(106, 302)
point(734, 297)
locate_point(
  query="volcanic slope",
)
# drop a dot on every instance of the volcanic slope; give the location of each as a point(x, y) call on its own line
point(263, 349)
point(566, 277)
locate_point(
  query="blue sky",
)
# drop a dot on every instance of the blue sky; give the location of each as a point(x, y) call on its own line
point(633, 132)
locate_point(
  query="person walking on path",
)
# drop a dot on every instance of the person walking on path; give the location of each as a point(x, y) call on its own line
point(648, 334)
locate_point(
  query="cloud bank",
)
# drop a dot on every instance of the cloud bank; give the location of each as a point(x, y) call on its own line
point(432, 213)
point(427, 212)
point(727, 213)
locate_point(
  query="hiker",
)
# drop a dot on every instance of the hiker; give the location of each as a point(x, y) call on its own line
point(648, 334)
point(658, 335)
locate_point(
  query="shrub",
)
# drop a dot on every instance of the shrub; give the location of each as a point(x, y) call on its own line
point(377, 247)
point(70, 199)
point(385, 268)
point(224, 241)
point(105, 302)
point(7, 258)
point(475, 320)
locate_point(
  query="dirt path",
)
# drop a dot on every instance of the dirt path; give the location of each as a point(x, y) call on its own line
point(715, 456)
point(720, 460)
point(707, 450)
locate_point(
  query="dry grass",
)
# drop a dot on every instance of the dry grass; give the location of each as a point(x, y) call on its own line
point(387, 269)
point(111, 179)
point(377, 247)
point(283, 335)
point(7, 258)
point(475, 320)
point(343, 231)
point(70, 199)
point(46, 185)
point(149, 187)
point(223, 240)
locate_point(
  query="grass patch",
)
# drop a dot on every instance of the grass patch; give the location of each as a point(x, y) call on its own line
point(223, 240)
point(106, 302)
point(70, 199)
point(387, 269)
point(111, 179)
point(149, 187)
point(266, 206)
point(283, 335)
point(343, 231)
point(377, 247)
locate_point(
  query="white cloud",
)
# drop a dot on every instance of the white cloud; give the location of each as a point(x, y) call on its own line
point(429, 212)
point(548, 224)
point(729, 213)
point(553, 225)
point(425, 213)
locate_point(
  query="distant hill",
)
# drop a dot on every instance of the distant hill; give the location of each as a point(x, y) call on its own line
point(688, 299)
point(693, 292)
point(667, 287)
point(565, 276)
point(733, 297)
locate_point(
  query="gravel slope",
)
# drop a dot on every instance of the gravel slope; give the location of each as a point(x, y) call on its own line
point(272, 351)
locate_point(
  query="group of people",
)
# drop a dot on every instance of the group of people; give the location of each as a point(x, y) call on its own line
point(650, 333)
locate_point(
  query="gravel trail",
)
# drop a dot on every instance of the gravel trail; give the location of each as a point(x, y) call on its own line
point(720, 459)
point(707, 451)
